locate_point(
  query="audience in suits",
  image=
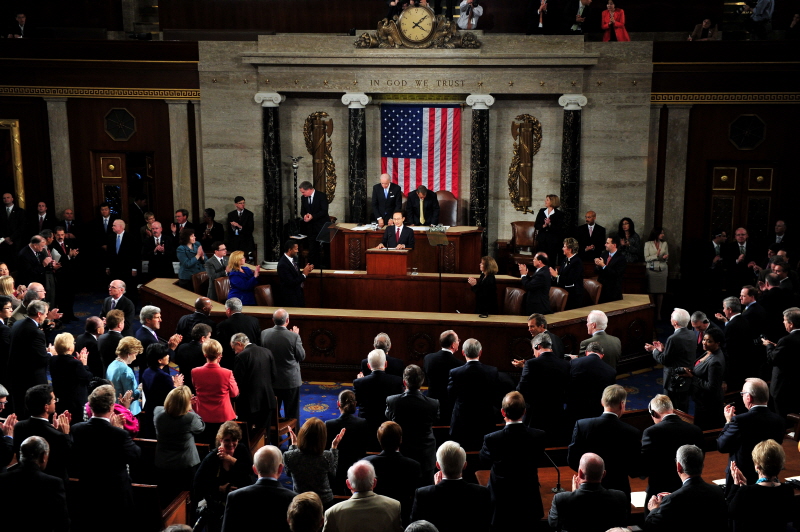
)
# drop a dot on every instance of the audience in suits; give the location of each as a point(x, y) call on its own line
point(783, 357)
point(394, 366)
point(589, 377)
point(254, 371)
point(107, 342)
point(215, 388)
point(94, 328)
point(372, 391)
point(291, 277)
point(237, 322)
point(212, 231)
point(536, 283)
point(610, 267)
point(591, 238)
point(156, 385)
point(485, 288)
point(216, 267)
point(352, 448)
point(117, 300)
point(202, 311)
point(41, 403)
point(387, 199)
point(150, 318)
point(570, 275)
point(314, 211)
point(706, 376)
point(287, 348)
point(70, 374)
point(158, 251)
point(676, 357)
point(596, 325)
point(123, 254)
point(437, 368)
point(28, 359)
point(189, 356)
point(549, 225)
point(365, 510)
point(241, 224)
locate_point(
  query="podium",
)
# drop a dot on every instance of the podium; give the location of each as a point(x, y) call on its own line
point(387, 261)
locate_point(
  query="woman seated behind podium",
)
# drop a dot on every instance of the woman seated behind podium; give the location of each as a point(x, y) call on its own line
point(243, 280)
point(485, 288)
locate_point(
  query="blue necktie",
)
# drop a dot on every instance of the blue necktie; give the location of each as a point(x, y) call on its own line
point(119, 241)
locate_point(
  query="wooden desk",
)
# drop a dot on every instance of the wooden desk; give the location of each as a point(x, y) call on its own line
point(348, 249)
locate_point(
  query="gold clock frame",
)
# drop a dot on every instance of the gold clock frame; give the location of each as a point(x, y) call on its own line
point(423, 43)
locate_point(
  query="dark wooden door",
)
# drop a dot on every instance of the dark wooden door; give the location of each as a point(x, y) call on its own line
point(743, 195)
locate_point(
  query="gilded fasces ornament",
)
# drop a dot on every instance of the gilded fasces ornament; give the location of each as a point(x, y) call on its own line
point(317, 133)
point(527, 142)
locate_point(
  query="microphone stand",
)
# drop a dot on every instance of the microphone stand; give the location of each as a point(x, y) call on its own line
point(558, 488)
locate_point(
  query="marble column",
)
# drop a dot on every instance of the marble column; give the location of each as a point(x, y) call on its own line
point(198, 142)
point(479, 166)
point(675, 181)
point(60, 155)
point(357, 102)
point(179, 154)
point(571, 158)
point(273, 198)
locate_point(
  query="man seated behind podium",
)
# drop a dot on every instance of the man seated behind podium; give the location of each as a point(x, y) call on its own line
point(424, 210)
point(398, 236)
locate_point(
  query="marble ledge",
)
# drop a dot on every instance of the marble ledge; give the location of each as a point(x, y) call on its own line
point(401, 59)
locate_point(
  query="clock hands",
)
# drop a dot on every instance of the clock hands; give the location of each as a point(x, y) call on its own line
point(416, 24)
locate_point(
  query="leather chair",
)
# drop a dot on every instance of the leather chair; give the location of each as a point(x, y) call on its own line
point(523, 238)
point(263, 293)
point(279, 430)
point(513, 301)
point(222, 285)
point(592, 289)
point(558, 299)
point(200, 283)
point(448, 208)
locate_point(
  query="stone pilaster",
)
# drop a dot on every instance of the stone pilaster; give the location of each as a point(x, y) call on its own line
point(479, 165)
point(179, 154)
point(357, 155)
point(60, 155)
point(198, 142)
point(675, 181)
point(273, 197)
point(571, 158)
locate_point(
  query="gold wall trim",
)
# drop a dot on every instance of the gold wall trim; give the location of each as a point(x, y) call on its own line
point(683, 98)
point(102, 92)
point(726, 62)
point(16, 159)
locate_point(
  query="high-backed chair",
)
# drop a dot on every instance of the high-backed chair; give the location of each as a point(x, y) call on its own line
point(558, 299)
point(263, 293)
point(522, 245)
point(200, 283)
point(592, 289)
point(513, 301)
point(222, 286)
point(279, 430)
point(448, 208)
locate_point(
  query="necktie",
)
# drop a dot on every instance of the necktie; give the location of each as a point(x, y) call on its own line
point(105, 224)
point(68, 225)
point(591, 228)
point(64, 249)
point(119, 241)
point(113, 304)
point(8, 212)
point(699, 338)
point(422, 211)
point(41, 221)
point(296, 267)
point(310, 200)
point(386, 192)
point(741, 249)
point(398, 237)
point(716, 249)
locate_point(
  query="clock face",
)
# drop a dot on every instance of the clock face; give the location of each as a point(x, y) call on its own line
point(417, 23)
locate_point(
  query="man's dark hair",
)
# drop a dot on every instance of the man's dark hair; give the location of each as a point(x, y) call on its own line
point(543, 258)
point(793, 317)
point(5, 300)
point(413, 376)
point(215, 246)
point(58, 228)
point(200, 330)
point(447, 339)
point(306, 185)
point(595, 347)
point(514, 406)
point(104, 204)
point(93, 324)
point(289, 245)
point(390, 434)
point(46, 233)
point(539, 319)
point(752, 291)
point(422, 189)
point(237, 199)
point(614, 239)
point(773, 280)
point(37, 398)
point(183, 212)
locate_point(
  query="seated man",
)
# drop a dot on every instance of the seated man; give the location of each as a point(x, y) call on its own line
point(398, 236)
point(424, 209)
point(365, 511)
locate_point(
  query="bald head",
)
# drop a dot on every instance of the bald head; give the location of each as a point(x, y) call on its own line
point(203, 304)
point(268, 462)
point(592, 468)
point(280, 317)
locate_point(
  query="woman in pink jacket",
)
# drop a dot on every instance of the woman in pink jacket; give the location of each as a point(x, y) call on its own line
point(613, 24)
point(214, 388)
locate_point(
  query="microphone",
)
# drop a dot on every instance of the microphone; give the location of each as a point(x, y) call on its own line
point(558, 488)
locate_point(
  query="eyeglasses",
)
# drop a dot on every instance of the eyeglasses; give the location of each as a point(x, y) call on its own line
point(742, 393)
point(3, 404)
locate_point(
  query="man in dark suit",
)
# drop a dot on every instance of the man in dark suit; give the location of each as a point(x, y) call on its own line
point(543, 383)
point(150, 317)
point(66, 274)
point(437, 368)
point(537, 324)
point(123, 254)
point(241, 224)
point(416, 415)
point(574, 17)
point(254, 371)
point(537, 285)
point(610, 268)
point(102, 452)
point(40, 220)
point(136, 211)
point(452, 504)
point(394, 366)
point(475, 389)
point(660, 442)
point(397, 235)
point(117, 300)
point(202, 311)
point(372, 391)
point(424, 209)
point(107, 343)
point(39, 497)
point(99, 231)
point(158, 251)
point(591, 238)
point(744, 431)
point(589, 376)
point(287, 349)
point(514, 480)
point(784, 357)
point(41, 403)
point(570, 276)
point(775, 301)
point(72, 229)
point(236, 322)
point(387, 198)
point(88, 340)
point(590, 505)
point(753, 311)
point(12, 229)
point(596, 324)
point(617, 443)
point(6, 310)
point(355, 447)
point(700, 324)
point(215, 267)
point(28, 358)
point(181, 222)
point(314, 210)
point(291, 277)
point(31, 262)
point(189, 356)
point(741, 360)
point(266, 499)
point(696, 506)
point(738, 255)
point(678, 354)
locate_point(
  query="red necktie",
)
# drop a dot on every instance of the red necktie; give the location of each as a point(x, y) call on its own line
point(398, 237)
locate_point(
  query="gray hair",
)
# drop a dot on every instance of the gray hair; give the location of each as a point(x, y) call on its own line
point(472, 348)
point(147, 312)
point(661, 404)
point(31, 294)
point(280, 317)
point(240, 338)
point(690, 457)
point(542, 340)
point(680, 316)
point(36, 307)
point(235, 304)
point(451, 459)
point(792, 315)
point(33, 449)
point(733, 304)
point(361, 476)
point(267, 460)
point(699, 317)
point(376, 359)
point(382, 341)
point(758, 390)
point(421, 526)
point(3, 391)
point(599, 318)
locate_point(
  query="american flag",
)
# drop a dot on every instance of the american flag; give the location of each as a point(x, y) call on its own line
point(420, 145)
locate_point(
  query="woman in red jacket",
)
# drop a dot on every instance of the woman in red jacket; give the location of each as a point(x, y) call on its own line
point(214, 388)
point(614, 24)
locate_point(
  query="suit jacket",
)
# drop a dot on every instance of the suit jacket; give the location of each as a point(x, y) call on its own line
point(384, 207)
point(29, 266)
point(28, 358)
point(588, 377)
point(570, 11)
point(514, 481)
point(741, 360)
point(13, 225)
point(244, 240)
point(707, 392)
point(215, 388)
point(400, 478)
point(60, 443)
point(394, 366)
point(33, 223)
point(756, 316)
point(287, 348)
point(430, 208)
point(128, 258)
point(598, 240)
point(570, 278)
point(254, 371)
point(543, 384)
point(743, 433)
point(775, 301)
point(537, 286)
point(366, 512)
point(159, 262)
point(146, 337)
point(291, 284)
point(785, 384)
point(107, 345)
point(5, 345)
point(350, 451)
point(591, 508)
point(125, 305)
point(474, 390)
point(371, 393)
point(612, 347)
point(390, 237)
point(454, 506)
point(660, 442)
point(215, 270)
point(437, 368)
point(416, 415)
point(39, 497)
point(740, 274)
point(611, 276)
point(617, 443)
point(238, 323)
point(266, 499)
point(549, 238)
point(187, 357)
point(70, 383)
point(186, 324)
point(318, 211)
point(697, 498)
point(678, 352)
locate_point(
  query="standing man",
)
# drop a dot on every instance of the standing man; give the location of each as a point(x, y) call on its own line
point(215, 267)
point(241, 224)
point(570, 277)
point(12, 229)
point(150, 318)
point(437, 372)
point(181, 222)
point(236, 322)
point(372, 391)
point(784, 357)
point(31, 262)
point(287, 349)
point(107, 343)
point(610, 268)
point(387, 198)
point(116, 300)
point(738, 255)
point(591, 238)
point(536, 285)
point(396, 235)
point(28, 355)
point(700, 324)
point(41, 220)
point(202, 311)
point(314, 210)
point(596, 324)
point(678, 354)
point(254, 371)
point(424, 210)
point(158, 251)
point(66, 275)
point(740, 357)
point(291, 277)
point(589, 377)
point(123, 255)
point(575, 15)
point(93, 328)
